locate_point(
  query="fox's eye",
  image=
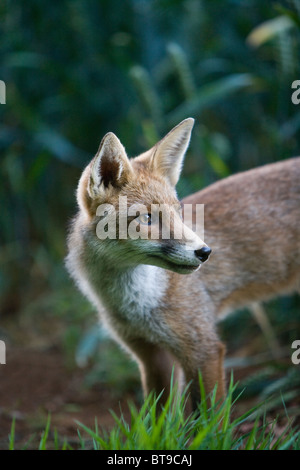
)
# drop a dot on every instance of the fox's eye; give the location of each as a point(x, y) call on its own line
point(144, 219)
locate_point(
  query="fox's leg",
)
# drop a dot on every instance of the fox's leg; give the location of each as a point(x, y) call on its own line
point(157, 364)
point(156, 367)
point(210, 365)
point(198, 349)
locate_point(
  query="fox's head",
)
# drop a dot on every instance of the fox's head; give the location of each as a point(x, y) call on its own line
point(130, 207)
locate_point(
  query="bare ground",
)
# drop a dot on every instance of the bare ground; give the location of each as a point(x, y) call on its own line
point(36, 380)
point(34, 383)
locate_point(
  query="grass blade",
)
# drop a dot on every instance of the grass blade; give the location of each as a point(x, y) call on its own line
point(12, 434)
point(45, 434)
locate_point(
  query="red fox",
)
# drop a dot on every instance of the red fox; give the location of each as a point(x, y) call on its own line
point(149, 290)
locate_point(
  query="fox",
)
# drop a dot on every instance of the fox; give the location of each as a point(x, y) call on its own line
point(161, 298)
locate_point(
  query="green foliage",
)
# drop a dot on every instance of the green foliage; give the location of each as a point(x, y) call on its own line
point(212, 427)
point(136, 68)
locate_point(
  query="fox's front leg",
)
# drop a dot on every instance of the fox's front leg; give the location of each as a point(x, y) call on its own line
point(210, 364)
point(157, 365)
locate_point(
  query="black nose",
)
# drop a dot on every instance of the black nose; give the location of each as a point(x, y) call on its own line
point(203, 253)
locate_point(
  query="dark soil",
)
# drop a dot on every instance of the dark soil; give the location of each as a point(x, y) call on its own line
point(37, 380)
point(35, 383)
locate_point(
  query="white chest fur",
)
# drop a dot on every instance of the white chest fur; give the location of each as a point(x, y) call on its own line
point(135, 293)
point(131, 298)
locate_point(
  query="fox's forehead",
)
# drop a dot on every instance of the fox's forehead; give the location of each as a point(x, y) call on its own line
point(149, 189)
point(143, 188)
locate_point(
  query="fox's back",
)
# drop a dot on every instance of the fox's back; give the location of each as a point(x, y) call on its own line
point(252, 224)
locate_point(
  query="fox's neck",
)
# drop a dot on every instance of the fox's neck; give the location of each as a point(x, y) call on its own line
point(131, 292)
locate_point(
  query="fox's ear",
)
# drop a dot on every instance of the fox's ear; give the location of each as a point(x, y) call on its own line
point(169, 152)
point(110, 166)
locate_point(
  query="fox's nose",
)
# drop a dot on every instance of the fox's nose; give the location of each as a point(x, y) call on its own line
point(203, 253)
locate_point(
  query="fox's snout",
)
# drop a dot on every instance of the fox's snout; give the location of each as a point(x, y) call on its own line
point(203, 253)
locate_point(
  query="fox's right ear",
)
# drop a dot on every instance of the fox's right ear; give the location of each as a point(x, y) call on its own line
point(110, 168)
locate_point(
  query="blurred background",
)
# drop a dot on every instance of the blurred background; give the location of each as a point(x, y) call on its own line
point(77, 69)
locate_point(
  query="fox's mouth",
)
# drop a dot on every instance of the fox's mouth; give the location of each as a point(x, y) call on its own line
point(178, 267)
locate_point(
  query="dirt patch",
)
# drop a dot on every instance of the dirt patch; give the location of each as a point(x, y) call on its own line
point(34, 383)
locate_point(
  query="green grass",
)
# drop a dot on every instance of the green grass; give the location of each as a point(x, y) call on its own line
point(212, 427)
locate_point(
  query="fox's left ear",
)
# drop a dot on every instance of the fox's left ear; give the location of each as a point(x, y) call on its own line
point(169, 152)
